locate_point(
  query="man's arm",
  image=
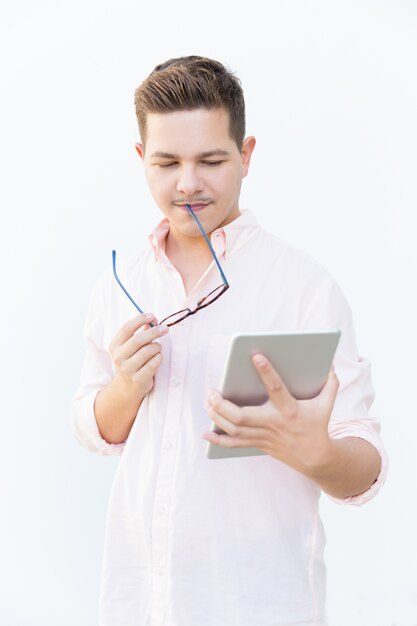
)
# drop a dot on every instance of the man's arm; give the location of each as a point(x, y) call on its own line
point(115, 410)
point(136, 358)
point(296, 433)
point(347, 468)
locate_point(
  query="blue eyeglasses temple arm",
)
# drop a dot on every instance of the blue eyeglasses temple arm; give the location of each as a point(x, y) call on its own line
point(208, 241)
point(118, 280)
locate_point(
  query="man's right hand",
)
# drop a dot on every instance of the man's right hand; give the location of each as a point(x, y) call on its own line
point(136, 358)
point(136, 355)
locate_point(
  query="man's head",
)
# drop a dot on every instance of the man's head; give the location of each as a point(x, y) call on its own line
point(190, 83)
point(191, 116)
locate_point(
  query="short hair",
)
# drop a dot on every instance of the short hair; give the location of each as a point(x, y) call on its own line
point(188, 83)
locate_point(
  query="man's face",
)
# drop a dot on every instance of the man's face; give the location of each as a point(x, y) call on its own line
point(190, 158)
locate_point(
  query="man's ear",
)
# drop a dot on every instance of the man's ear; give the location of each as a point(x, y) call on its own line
point(139, 149)
point(248, 147)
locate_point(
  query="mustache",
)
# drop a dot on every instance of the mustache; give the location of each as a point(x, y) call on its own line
point(196, 201)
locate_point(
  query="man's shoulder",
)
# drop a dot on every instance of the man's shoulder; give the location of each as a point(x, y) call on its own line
point(289, 256)
point(136, 261)
point(301, 273)
point(128, 268)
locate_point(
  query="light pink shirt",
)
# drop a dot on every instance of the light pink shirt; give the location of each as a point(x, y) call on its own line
point(230, 542)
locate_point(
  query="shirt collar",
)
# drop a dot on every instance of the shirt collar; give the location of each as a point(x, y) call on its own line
point(225, 240)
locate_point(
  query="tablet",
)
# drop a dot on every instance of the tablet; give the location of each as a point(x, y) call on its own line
point(302, 359)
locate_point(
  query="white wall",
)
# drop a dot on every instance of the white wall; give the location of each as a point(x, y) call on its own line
point(331, 97)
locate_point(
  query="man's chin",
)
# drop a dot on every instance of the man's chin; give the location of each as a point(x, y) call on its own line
point(184, 227)
point(192, 230)
point(183, 221)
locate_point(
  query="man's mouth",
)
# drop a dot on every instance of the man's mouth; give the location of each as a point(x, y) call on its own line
point(197, 206)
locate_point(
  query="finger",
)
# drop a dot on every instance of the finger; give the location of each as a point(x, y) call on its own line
point(141, 339)
point(130, 327)
point(149, 369)
point(141, 357)
point(122, 353)
point(253, 416)
point(226, 441)
point(275, 386)
point(216, 401)
point(235, 430)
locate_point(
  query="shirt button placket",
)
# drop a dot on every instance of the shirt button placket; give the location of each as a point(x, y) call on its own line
point(164, 482)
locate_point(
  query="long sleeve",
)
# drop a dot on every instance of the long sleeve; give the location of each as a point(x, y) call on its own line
point(96, 372)
point(328, 307)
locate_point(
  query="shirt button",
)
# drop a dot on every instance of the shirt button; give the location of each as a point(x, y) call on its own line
point(176, 381)
point(158, 572)
point(169, 445)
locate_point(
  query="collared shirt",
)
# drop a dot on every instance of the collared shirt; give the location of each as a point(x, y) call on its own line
point(226, 542)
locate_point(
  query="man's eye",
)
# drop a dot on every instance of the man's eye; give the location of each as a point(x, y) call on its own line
point(209, 163)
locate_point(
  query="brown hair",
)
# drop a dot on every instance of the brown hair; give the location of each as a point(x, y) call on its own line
point(188, 83)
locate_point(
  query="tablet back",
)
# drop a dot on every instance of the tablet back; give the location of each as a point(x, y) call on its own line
point(302, 359)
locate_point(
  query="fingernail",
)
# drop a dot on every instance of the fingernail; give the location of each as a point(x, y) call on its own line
point(149, 316)
point(259, 360)
point(163, 329)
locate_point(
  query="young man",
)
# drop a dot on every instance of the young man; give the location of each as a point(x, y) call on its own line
point(232, 542)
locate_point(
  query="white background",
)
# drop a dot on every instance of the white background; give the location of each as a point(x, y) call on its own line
point(331, 98)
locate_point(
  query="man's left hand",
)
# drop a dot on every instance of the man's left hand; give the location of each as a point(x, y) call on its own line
point(292, 431)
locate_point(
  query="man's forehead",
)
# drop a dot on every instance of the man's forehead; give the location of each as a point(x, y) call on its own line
point(195, 133)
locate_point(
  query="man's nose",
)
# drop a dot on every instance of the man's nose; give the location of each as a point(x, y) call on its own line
point(189, 181)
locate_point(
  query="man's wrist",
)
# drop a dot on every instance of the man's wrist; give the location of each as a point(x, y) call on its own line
point(348, 467)
point(128, 392)
point(324, 460)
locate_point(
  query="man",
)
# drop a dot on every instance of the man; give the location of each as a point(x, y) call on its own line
point(192, 541)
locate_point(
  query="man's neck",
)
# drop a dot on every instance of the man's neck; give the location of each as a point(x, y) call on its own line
point(191, 256)
point(179, 250)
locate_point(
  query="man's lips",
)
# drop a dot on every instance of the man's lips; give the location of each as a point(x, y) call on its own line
point(195, 207)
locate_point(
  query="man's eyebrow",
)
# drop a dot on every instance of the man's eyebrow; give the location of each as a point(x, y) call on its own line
point(202, 155)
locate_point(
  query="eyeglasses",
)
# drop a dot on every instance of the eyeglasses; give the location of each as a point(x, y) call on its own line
point(174, 318)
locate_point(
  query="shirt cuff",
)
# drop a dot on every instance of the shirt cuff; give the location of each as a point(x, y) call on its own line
point(373, 439)
point(85, 428)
